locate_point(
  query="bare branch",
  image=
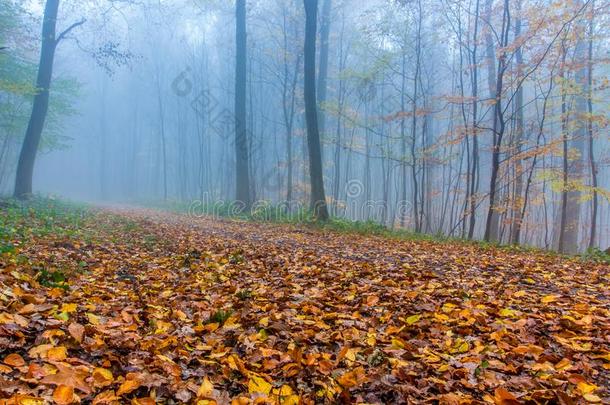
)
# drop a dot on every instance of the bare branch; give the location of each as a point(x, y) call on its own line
point(67, 30)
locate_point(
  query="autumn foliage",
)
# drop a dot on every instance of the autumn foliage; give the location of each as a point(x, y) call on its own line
point(144, 307)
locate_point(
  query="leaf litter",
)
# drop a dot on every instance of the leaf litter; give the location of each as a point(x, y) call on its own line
point(167, 308)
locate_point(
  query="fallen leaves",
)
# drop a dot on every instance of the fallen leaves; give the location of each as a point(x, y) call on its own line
point(188, 310)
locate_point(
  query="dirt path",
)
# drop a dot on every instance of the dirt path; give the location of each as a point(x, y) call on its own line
point(193, 309)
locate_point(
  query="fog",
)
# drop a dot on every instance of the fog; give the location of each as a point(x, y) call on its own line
point(428, 111)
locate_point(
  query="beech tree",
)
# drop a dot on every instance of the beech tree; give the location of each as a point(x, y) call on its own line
point(50, 41)
point(316, 175)
point(242, 155)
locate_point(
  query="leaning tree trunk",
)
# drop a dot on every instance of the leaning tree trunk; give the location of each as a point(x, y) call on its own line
point(242, 173)
point(318, 198)
point(27, 157)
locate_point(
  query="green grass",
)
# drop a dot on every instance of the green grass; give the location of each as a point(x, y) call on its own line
point(267, 212)
point(39, 217)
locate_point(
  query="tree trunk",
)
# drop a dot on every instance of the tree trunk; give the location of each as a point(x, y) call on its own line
point(571, 225)
point(323, 71)
point(518, 199)
point(27, 157)
point(493, 217)
point(474, 175)
point(592, 164)
point(318, 198)
point(242, 157)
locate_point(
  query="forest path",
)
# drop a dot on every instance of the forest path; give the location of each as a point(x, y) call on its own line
point(521, 311)
point(188, 308)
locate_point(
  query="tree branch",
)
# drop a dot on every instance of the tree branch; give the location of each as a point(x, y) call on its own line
point(67, 30)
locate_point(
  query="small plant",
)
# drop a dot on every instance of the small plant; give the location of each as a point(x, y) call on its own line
point(7, 248)
point(220, 316)
point(236, 258)
point(244, 294)
point(52, 279)
point(596, 255)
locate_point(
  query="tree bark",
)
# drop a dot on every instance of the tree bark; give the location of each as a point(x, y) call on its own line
point(518, 199)
point(499, 124)
point(592, 163)
point(323, 71)
point(318, 198)
point(242, 156)
point(27, 157)
point(574, 169)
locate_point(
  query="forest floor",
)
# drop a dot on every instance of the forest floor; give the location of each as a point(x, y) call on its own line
point(141, 306)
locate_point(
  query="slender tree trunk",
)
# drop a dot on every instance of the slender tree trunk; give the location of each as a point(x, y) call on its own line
point(27, 157)
point(162, 133)
point(323, 71)
point(564, 158)
point(414, 122)
point(316, 177)
point(474, 175)
point(592, 164)
point(492, 223)
point(242, 156)
point(403, 137)
point(571, 225)
point(518, 199)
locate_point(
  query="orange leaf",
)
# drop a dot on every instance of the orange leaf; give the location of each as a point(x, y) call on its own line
point(14, 360)
point(63, 395)
point(352, 378)
point(132, 383)
point(503, 397)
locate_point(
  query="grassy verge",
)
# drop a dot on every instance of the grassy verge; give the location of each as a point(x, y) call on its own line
point(20, 221)
point(274, 214)
point(39, 217)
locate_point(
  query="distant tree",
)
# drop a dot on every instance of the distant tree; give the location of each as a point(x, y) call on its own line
point(323, 70)
point(318, 197)
point(242, 165)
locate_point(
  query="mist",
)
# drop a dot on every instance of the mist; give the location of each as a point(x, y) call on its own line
point(483, 119)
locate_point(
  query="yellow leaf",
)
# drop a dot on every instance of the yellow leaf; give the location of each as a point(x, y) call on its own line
point(57, 353)
point(264, 322)
point(206, 389)
point(548, 299)
point(69, 308)
point(585, 388)
point(27, 400)
point(592, 398)
point(162, 327)
point(285, 390)
point(258, 384)
point(507, 312)
point(93, 319)
point(413, 319)
point(464, 347)
point(102, 377)
point(397, 343)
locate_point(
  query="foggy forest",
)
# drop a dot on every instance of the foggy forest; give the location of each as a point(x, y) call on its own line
point(304, 201)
